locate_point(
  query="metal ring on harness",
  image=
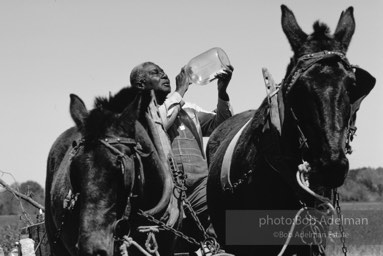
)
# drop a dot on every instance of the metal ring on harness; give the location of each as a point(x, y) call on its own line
point(121, 228)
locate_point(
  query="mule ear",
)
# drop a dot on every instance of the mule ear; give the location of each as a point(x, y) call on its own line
point(365, 82)
point(292, 30)
point(345, 28)
point(78, 110)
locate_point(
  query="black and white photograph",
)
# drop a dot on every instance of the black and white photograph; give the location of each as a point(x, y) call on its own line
point(191, 128)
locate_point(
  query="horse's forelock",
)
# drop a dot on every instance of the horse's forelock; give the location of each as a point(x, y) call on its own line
point(320, 30)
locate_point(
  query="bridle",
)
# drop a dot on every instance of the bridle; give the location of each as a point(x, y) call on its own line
point(128, 163)
point(301, 66)
point(131, 182)
point(125, 161)
point(281, 92)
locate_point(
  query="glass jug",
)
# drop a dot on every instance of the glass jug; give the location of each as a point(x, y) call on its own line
point(203, 68)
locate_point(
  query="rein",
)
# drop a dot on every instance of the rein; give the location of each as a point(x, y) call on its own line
point(125, 160)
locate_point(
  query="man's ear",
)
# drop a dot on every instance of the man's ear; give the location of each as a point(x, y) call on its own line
point(140, 85)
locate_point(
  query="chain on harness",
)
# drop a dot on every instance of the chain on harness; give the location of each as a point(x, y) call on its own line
point(179, 180)
point(180, 193)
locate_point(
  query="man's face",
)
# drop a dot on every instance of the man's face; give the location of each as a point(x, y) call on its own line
point(156, 79)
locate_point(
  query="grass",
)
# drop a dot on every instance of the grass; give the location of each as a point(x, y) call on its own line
point(376, 250)
point(364, 239)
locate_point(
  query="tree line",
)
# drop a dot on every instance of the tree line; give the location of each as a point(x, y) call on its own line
point(11, 205)
point(363, 185)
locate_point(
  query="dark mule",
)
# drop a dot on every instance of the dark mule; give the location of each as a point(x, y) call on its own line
point(110, 162)
point(318, 99)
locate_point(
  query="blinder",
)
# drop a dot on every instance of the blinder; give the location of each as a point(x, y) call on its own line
point(131, 162)
point(365, 82)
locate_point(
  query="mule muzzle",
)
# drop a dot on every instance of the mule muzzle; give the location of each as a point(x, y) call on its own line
point(330, 173)
point(96, 243)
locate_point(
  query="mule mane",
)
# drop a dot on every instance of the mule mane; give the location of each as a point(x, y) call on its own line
point(118, 102)
point(105, 113)
point(107, 110)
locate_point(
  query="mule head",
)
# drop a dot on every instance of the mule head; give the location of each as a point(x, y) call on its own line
point(320, 90)
point(103, 172)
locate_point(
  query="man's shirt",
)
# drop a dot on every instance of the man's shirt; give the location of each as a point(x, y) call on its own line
point(186, 124)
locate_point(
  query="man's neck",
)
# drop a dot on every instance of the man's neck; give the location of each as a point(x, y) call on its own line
point(160, 97)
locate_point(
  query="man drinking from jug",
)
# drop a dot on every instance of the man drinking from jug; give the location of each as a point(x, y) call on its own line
point(186, 124)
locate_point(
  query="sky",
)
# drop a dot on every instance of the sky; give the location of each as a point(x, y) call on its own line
point(52, 48)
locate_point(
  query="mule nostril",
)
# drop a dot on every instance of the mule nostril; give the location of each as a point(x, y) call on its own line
point(336, 172)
